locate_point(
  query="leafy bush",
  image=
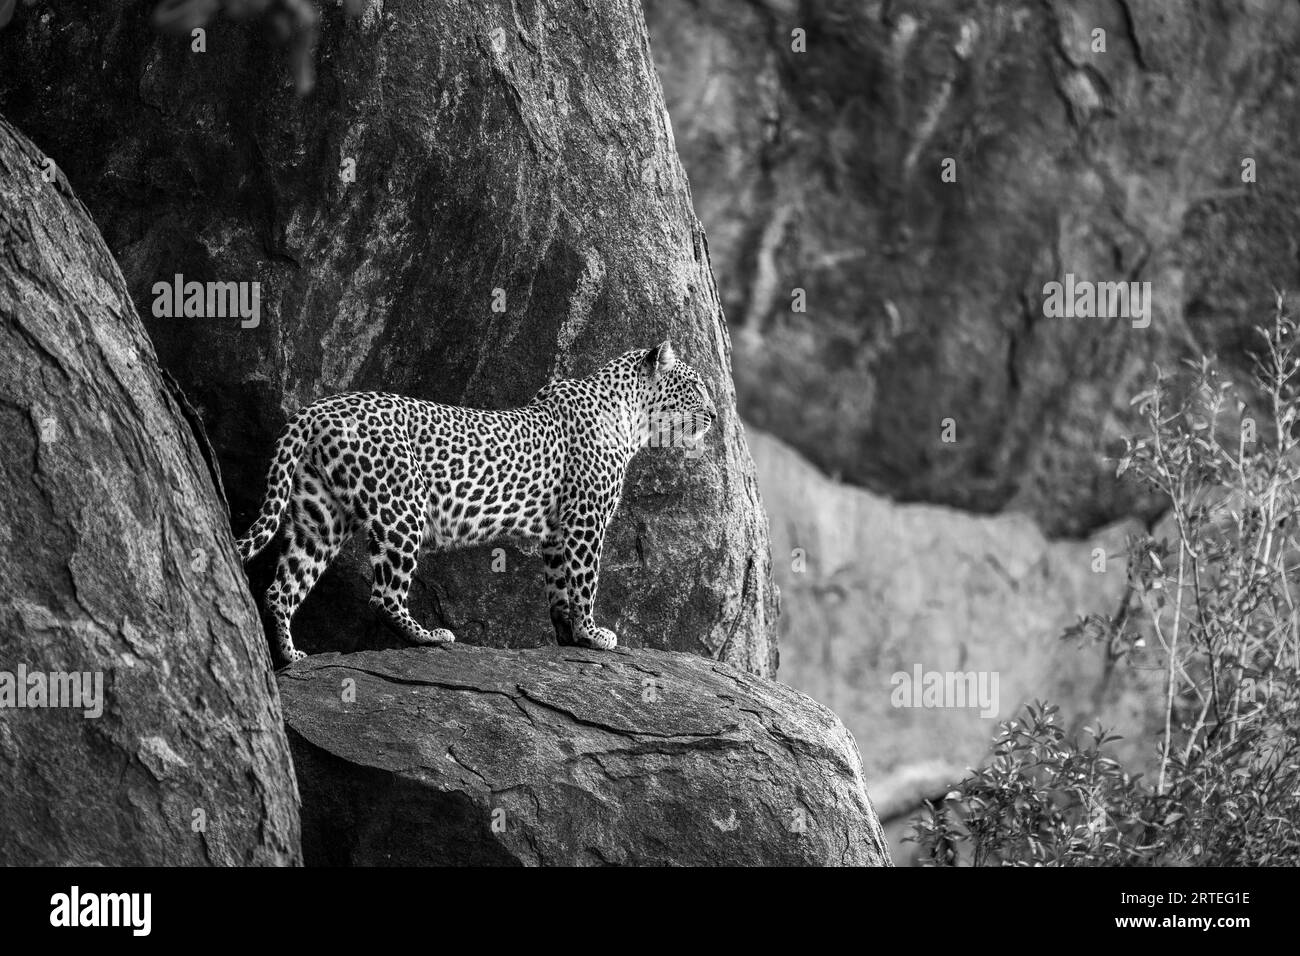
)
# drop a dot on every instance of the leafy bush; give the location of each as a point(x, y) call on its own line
point(1213, 609)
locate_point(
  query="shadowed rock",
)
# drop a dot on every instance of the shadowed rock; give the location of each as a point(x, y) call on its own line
point(824, 171)
point(116, 565)
point(476, 198)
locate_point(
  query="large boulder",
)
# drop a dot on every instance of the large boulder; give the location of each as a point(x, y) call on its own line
point(120, 590)
point(564, 756)
point(474, 199)
point(823, 171)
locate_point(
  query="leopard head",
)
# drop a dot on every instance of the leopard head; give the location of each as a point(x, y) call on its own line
point(675, 407)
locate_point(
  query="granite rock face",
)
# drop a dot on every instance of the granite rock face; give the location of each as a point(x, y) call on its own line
point(565, 756)
point(477, 197)
point(822, 171)
point(120, 589)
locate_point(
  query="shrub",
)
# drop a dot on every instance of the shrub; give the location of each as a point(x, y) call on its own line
point(1212, 606)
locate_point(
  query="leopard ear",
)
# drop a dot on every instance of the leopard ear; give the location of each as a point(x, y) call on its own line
point(661, 358)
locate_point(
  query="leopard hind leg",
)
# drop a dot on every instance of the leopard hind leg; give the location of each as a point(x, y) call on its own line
point(395, 531)
point(318, 528)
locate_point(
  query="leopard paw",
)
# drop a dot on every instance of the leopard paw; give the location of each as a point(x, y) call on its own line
point(439, 635)
point(600, 638)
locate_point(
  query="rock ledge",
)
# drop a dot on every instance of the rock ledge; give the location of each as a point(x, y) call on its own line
point(566, 756)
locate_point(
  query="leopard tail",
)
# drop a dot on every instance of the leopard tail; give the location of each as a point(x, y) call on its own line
point(289, 449)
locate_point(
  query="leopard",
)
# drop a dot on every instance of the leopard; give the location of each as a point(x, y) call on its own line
point(414, 475)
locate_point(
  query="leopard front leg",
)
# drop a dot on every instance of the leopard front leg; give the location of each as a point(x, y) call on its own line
point(582, 547)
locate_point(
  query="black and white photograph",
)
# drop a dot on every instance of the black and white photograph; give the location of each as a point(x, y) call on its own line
point(727, 434)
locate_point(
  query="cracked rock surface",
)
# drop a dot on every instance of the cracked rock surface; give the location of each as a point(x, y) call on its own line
point(566, 756)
